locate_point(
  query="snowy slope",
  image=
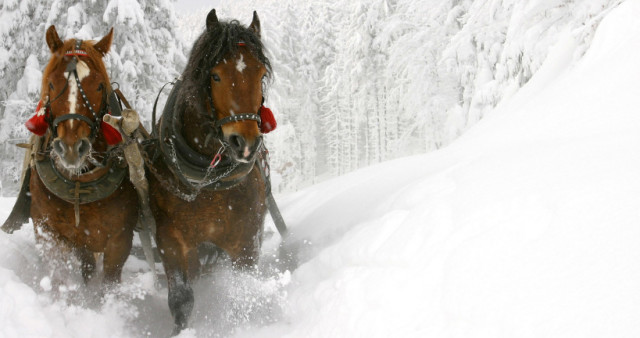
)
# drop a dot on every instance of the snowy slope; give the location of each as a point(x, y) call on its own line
point(526, 226)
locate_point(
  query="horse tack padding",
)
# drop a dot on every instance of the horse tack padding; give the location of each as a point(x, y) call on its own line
point(21, 209)
point(83, 192)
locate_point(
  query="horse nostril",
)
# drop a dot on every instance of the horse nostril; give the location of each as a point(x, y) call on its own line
point(237, 142)
point(82, 147)
point(58, 148)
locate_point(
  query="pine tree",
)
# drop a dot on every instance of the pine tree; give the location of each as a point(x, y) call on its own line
point(21, 59)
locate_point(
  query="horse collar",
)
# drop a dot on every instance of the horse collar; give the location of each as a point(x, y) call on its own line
point(79, 192)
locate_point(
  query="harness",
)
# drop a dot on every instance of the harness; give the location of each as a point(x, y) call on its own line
point(196, 171)
point(76, 191)
point(193, 170)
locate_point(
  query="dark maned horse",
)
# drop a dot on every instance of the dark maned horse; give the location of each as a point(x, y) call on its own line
point(206, 186)
point(81, 200)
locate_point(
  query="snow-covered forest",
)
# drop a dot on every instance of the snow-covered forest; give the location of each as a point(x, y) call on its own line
point(355, 82)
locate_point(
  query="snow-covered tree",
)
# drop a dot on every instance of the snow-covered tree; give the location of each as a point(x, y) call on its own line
point(22, 55)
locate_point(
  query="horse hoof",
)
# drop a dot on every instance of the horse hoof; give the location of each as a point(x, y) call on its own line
point(177, 329)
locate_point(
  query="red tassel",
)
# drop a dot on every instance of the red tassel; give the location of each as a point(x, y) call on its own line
point(38, 123)
point(111, 134)
point(268, 121)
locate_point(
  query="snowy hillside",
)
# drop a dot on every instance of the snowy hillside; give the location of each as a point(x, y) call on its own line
point(526, 226)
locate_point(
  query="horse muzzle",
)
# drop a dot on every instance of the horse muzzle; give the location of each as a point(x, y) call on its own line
point(242, 150)
point(72, 157)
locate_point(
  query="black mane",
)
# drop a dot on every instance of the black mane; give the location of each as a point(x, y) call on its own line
point(208, 50)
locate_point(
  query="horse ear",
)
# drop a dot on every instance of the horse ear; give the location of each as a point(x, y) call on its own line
point(212, 20)
point(104, 45)
point(255, 24)
point(53, 40)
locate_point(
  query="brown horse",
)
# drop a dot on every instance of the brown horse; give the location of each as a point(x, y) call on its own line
point(206, 186)
point(81, 200)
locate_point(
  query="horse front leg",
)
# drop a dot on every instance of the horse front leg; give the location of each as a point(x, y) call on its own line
point(176, 265)
point(244, 255)
point(88, 264)
point(116, 253)
point(58, 256)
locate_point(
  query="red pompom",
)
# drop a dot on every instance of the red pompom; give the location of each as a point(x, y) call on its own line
point(268, 121)
point(38, 123)
point(111, 134)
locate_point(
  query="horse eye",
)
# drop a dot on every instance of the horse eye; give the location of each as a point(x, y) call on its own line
point(50, 85)
point(101, 87)
point(215, 77)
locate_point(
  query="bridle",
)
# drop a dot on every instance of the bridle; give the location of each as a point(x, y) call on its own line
point(97, 117)
point(217, 124)
point(211, 114)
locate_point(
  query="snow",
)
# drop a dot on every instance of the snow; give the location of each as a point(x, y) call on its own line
point(128, 12)
point(526, 226)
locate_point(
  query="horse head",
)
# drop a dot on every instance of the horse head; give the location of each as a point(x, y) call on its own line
point(75, 85)
point(231, 67)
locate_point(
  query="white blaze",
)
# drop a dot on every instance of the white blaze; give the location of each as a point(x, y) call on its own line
point(240, 65)
point(83, 71)
point(42, 107)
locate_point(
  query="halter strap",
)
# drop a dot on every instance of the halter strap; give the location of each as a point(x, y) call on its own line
point(73, 117)
point(238, 117)
point(217, 124)
point(77, 51)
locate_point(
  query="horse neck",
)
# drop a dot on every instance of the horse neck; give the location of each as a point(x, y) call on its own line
point(196, 128)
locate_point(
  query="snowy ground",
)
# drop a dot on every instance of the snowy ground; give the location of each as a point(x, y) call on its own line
point(527, 226)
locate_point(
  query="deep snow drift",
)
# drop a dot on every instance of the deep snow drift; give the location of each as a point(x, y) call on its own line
point(527, 226)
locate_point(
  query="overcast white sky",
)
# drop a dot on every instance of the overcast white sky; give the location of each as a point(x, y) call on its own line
point(193, 5)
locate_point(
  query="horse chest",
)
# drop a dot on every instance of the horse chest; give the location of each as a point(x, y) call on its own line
point(214, 215)
point(99, 220)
